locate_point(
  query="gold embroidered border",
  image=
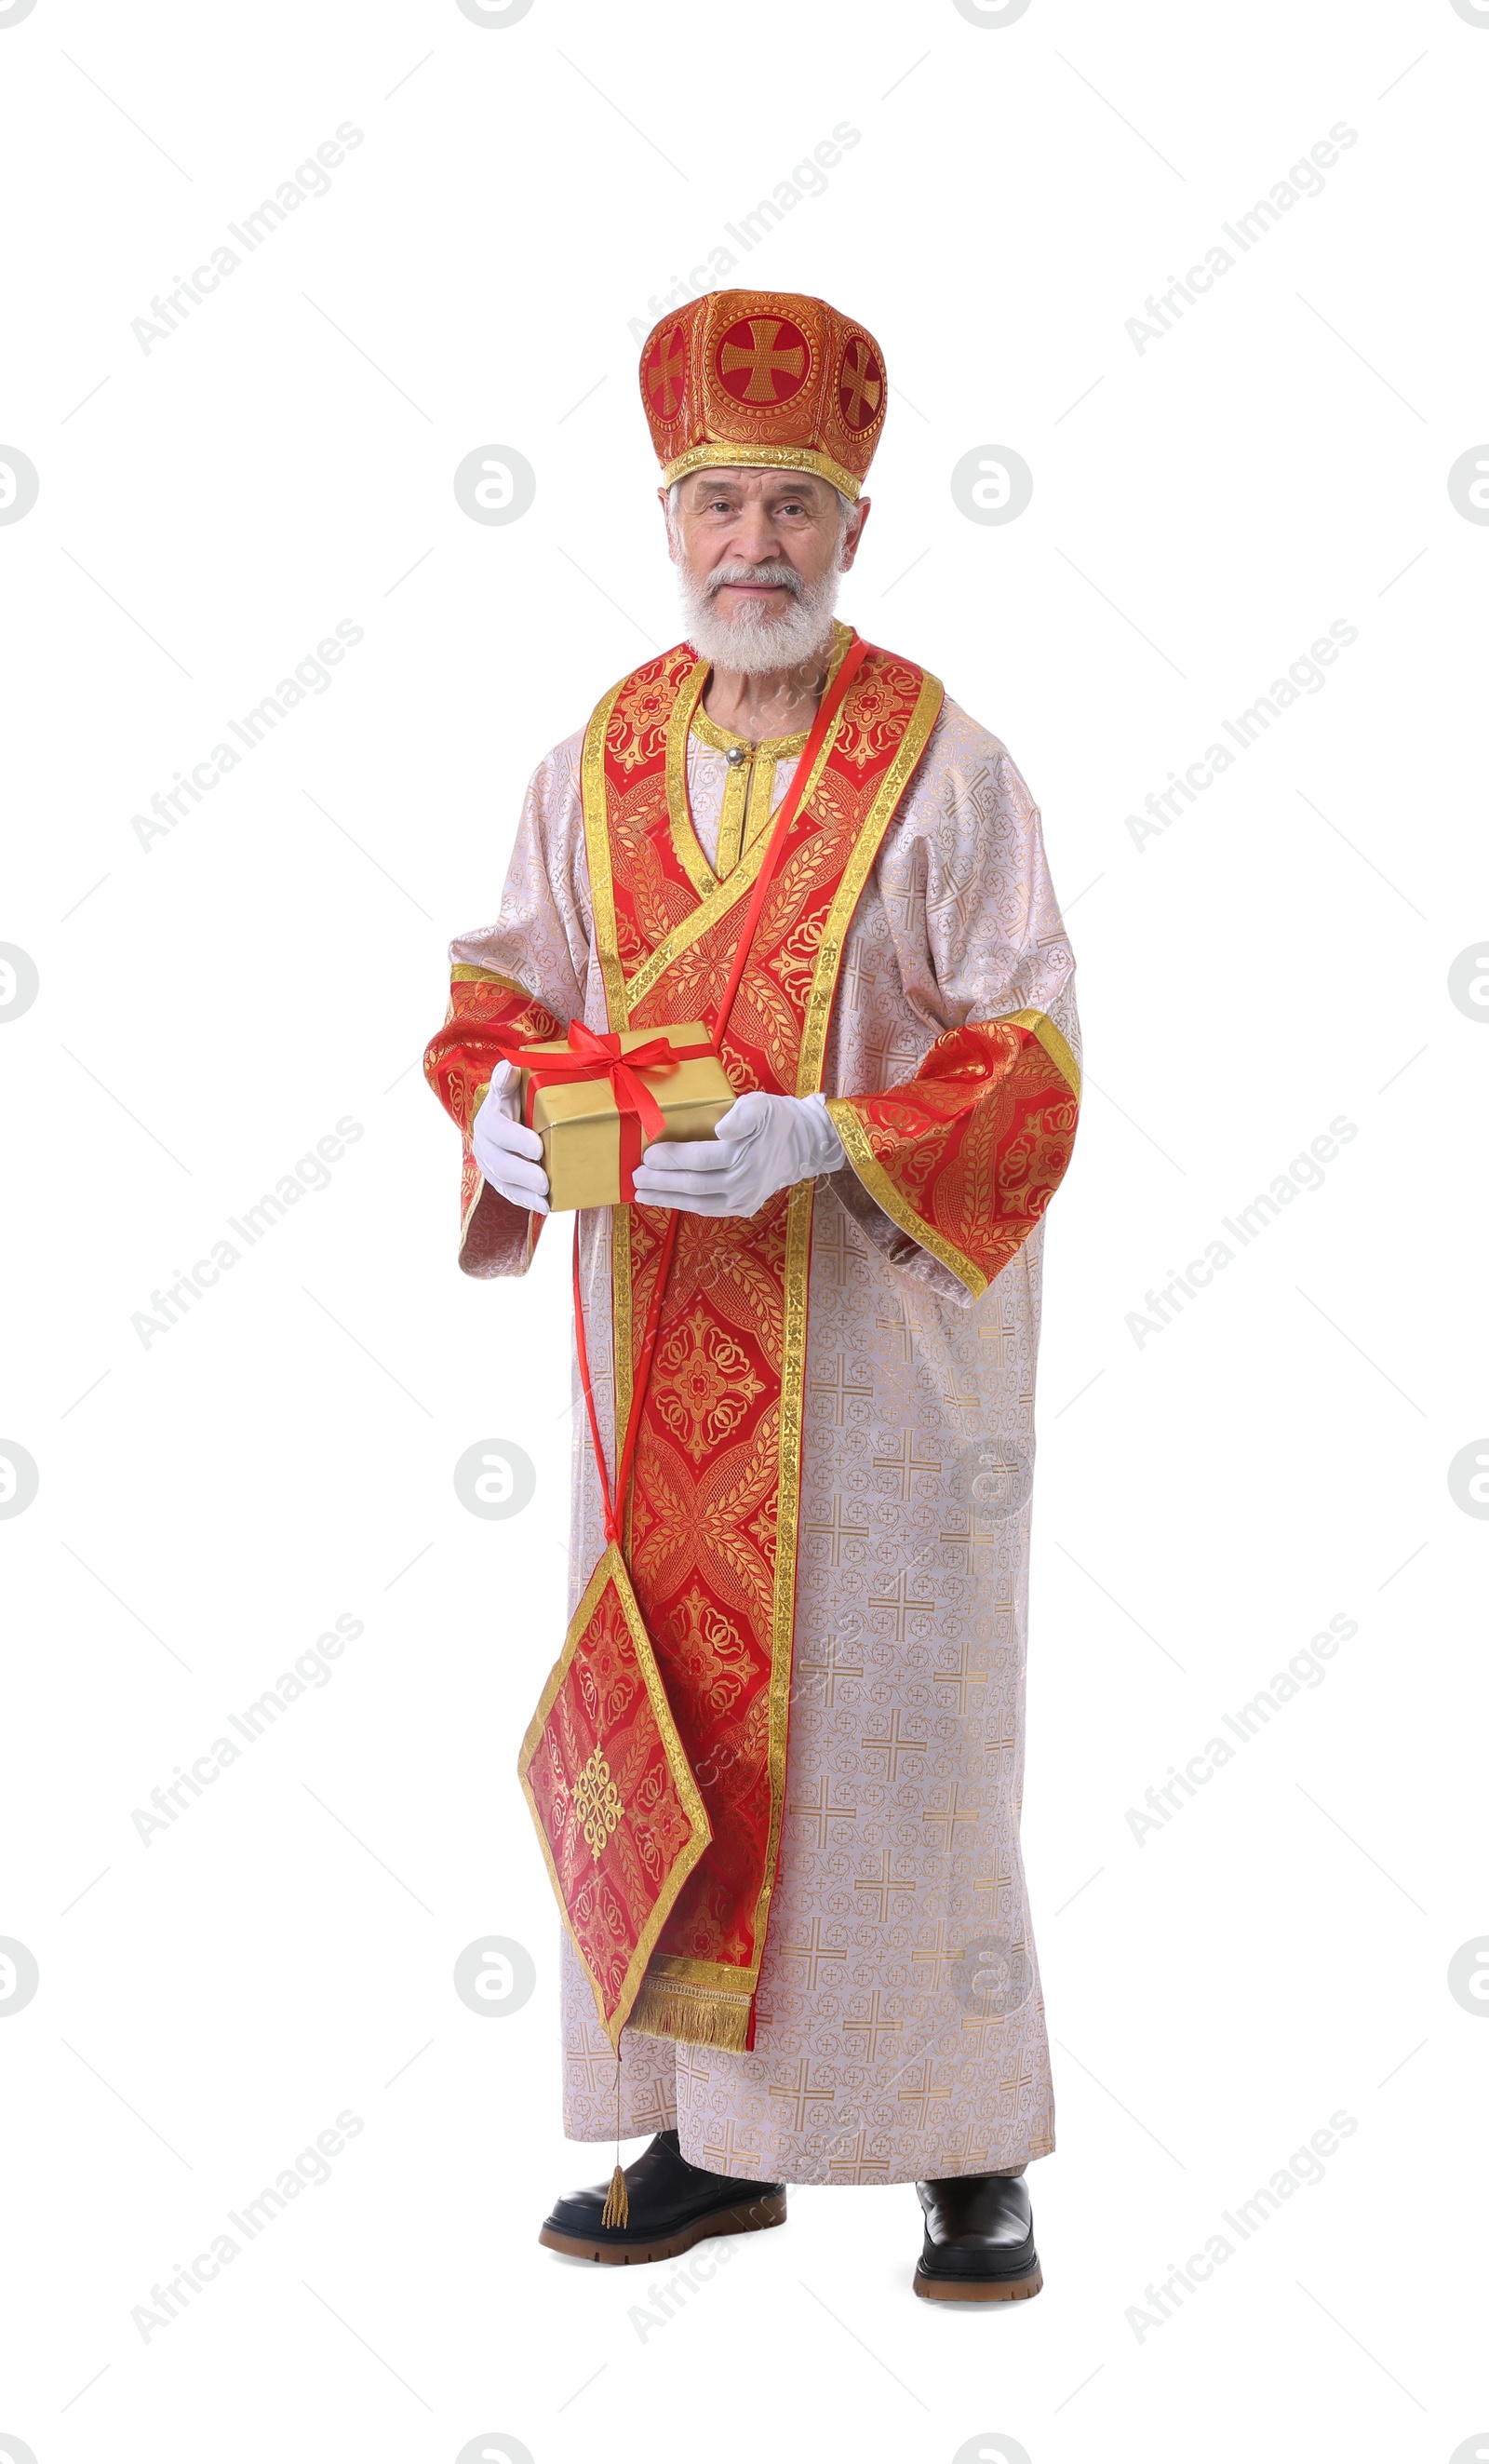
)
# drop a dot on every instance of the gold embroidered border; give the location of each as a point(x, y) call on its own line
point(684, 838)
point(705, 1975)
point(749, 798)
point(468, 1217)
point(719, 456)
point(781, 748)
point(855, 874)
point(596, 845)
point(738, 787)
point(788, 1517)
point(882, 1189)
point(1049, 1035)
point(611, 1569)
point(760, 802)
point(469, 975)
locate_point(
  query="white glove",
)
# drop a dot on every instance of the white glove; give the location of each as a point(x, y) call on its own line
point(510, 1155)
point(762, 1144)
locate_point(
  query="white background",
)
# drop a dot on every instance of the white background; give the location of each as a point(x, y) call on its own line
point(1206, 1500)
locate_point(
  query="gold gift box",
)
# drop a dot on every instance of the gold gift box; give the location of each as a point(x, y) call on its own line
point(580, 1123)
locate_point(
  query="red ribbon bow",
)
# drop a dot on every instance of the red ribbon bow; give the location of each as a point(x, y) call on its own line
point(591, 1056)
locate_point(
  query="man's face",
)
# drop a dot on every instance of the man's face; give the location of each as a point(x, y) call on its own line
point(772, 533)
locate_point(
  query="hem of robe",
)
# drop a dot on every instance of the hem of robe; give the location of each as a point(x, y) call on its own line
point(691, 2144)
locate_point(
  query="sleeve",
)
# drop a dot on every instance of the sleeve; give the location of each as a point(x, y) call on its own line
point(524, 976)
point(964, 1157)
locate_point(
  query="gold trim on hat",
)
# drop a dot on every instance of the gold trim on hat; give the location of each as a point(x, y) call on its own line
point(762, 458)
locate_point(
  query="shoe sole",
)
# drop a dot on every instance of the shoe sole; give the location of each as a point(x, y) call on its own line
point(756, 2216)
point(979, 2288)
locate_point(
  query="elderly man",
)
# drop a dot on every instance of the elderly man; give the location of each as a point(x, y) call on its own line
point(777, 1770)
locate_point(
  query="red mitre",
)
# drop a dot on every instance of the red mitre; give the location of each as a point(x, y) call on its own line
point(765, 378)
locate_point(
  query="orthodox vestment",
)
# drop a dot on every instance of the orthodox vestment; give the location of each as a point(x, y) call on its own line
point(827, 1527)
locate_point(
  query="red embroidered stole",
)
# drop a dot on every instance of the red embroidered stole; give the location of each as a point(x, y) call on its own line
point(711, 1538)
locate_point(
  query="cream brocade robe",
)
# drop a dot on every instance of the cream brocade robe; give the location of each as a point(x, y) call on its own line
point(900, 2024)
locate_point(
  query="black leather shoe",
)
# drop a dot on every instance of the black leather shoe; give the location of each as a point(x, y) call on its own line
point(672, 2205)
point(980, 2240)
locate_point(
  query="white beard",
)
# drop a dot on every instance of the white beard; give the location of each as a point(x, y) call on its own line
point(756, 640)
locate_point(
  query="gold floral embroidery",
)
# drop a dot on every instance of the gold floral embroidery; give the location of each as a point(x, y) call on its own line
point(880, 705)
point(711, 1654)
point(703, 1383)
point(597, 1803)
point(637, 732)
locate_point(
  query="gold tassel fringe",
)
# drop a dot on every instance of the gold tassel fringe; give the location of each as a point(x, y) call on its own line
point(691, 2014)
point(617, 2213)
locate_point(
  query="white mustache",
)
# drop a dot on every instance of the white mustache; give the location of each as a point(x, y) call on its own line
point(765, 577)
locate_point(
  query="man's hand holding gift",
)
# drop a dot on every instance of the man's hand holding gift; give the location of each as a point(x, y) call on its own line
point(509, 1154)
point(762, 1144)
